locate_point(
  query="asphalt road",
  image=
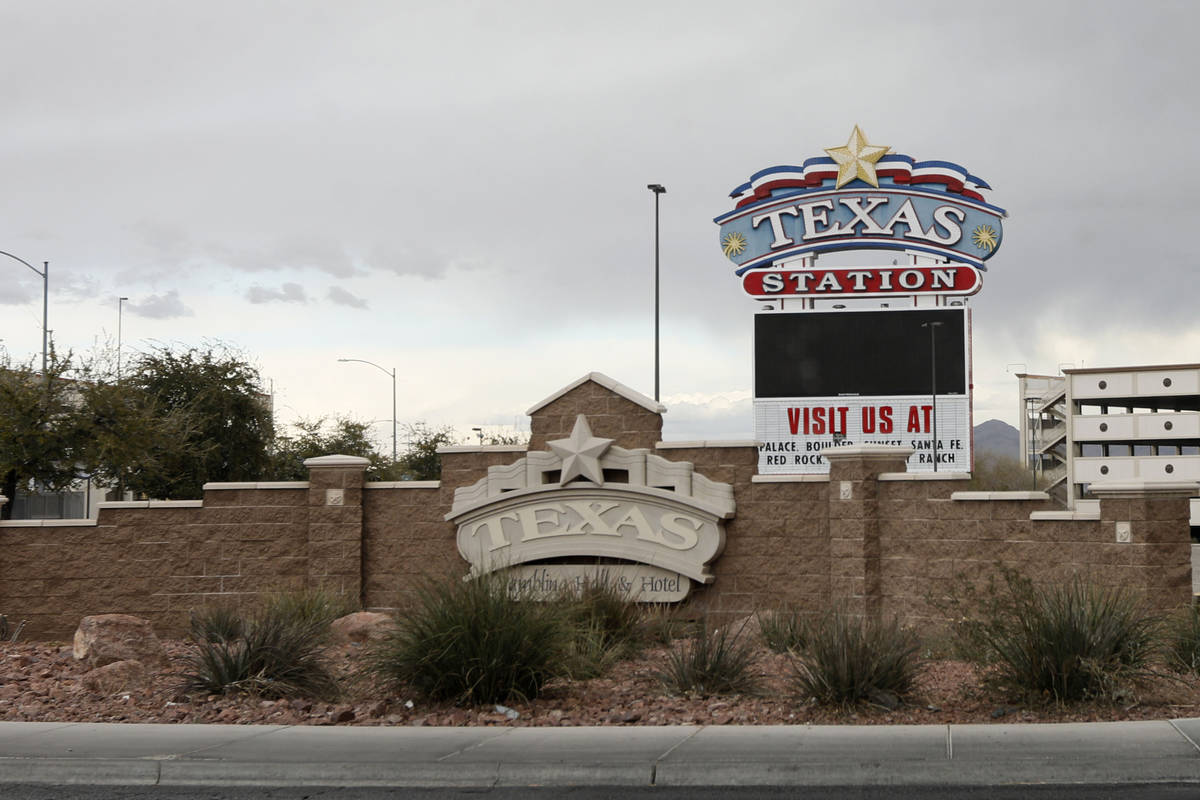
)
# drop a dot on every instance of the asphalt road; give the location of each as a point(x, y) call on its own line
point(1042, 792)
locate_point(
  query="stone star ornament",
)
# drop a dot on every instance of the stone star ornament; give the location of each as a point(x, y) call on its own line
point(856, 159)
point(580, 453)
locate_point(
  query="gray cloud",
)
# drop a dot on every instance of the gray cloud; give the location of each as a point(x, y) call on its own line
point(343, 298)
point(164, 306)
point(288, 293)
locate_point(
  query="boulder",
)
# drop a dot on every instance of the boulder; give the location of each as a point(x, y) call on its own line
point(361, 626)
point(107, 638)
point(119, 676)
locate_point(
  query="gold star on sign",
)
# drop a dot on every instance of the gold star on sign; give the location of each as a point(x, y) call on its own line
point(580, 453)
point(856, 159)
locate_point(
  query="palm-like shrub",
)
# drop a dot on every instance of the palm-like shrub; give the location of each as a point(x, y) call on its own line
point(269, 654)
point(846, 659)
point(317, 605)
point(473, 642)
point(783, 630)
point(711, 662)
point(217, 623)
point(605, 626)
point(1066, 642)
point(1182, 640)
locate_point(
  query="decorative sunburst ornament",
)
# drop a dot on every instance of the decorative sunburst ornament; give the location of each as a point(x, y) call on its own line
point(856, 159)
point(984, 237)
point(734, 244)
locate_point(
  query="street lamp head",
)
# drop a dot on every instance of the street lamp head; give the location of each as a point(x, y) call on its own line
point(932, 324)
point(657, 188)
point(122, 298)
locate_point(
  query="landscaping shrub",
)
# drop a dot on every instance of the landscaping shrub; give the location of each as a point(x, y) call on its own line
point(663, 624)
point(270, 654)
point(711, 662)
point(473, 642)
point(1182, 640)
point(605, 626)
point(303, 605)
point(847, 659)
point(1065, 642)
point(783, 629)
point(217, 623)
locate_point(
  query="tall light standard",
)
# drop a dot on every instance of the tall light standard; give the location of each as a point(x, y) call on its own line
point(658, 189)
point(120, 308)
point(933, 326)
point(391, 372)
point(45, 275)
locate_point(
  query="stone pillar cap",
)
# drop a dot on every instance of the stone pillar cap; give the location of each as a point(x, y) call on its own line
point(867, 451)
point(337, 461)
point(1120, 489)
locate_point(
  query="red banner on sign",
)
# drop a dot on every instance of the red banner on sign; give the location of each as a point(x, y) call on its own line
point(948, 279)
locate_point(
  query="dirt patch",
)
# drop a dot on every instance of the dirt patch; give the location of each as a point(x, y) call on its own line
point(42, 682)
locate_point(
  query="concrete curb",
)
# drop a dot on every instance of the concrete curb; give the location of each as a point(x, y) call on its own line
point(931, 755)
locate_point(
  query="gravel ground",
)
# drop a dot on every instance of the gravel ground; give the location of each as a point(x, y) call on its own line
point(40, 681)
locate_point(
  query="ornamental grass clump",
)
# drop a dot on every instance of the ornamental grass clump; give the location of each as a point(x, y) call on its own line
point(303, 605)
point(711, 662)
point(1181, 640)
point(783, 630)
point(473, 642)
point(1064, 642)
point(606, 626)
point(267, 654)
point(846, 659)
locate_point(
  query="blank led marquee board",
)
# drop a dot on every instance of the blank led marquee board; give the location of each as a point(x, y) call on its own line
point(829, 379)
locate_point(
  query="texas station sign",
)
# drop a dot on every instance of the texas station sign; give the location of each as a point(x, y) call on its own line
point(863, 197)
point(877, 353)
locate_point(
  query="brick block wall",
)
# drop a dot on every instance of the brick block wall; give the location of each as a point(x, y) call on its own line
point(881, 547)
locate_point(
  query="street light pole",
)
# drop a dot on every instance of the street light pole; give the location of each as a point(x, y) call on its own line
point(391, 372)
point(933, 326)
point(658, 189)
point(120, 304)
point(45, 276)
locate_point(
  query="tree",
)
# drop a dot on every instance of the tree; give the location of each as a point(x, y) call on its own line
point(421, 462)
point(42, 431)
point(229, 427)
point(311, 438)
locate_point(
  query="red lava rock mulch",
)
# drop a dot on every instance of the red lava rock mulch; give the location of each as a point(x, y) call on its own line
point(41, 682)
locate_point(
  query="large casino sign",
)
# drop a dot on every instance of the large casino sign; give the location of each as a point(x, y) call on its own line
point(860, 197)
point(894, 366)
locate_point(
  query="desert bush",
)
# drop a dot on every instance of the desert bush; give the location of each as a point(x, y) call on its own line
point(783, 629)
point(664, 624)
point(847, 659)
point(999, 473)
point(605, 627)
point(1066, 642)
point(1181, 639)
point(711, 662)
point(473, 642)
point(269, 654)
point(216, 623)
point(304, 605)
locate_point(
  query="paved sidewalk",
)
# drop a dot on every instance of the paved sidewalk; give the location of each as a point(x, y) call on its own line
point(273, 755)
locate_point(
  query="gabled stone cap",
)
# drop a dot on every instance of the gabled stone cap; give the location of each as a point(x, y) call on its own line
point(608, 383)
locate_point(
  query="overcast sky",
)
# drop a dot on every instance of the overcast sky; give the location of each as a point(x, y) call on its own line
point(458, 190)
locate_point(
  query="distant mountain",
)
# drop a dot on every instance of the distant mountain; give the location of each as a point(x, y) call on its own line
point(997, 438)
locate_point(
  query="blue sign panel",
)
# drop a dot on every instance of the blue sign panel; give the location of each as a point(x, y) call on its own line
point(860, 197)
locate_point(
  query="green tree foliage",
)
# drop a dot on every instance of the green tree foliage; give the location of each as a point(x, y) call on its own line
point(42, 430)
point(421, 462)
point(231, 429)
point(322, 437)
